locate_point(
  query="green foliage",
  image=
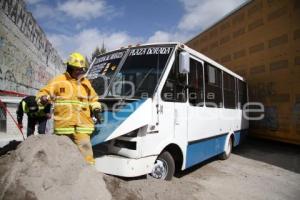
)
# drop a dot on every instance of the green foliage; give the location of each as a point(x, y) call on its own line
point(98, 51)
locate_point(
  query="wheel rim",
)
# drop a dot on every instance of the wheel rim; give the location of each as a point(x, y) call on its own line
point(160, 169)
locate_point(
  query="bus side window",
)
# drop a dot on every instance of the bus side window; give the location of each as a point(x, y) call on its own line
point(242, 89)
point(229, 91)
point(174, 88)
point(196, 92)
point(213, 86)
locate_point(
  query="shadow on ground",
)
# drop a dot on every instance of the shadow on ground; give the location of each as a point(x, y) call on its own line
point(283, 155)
point(12, 145)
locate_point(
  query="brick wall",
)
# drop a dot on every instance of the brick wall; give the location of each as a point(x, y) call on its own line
point(261, 41)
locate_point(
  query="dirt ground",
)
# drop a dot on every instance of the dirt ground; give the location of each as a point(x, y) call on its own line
point(47, 167)
point(258, 169)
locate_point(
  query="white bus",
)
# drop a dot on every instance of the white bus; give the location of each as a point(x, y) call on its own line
point(167, 107)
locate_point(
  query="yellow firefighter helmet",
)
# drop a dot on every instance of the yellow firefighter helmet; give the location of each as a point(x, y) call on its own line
point(76, 60)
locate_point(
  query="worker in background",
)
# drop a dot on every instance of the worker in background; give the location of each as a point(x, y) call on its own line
point(74, 101)
point(35, 115)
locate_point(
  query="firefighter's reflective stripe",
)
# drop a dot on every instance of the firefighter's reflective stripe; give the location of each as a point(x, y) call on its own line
point(64, 130)
point(25, 107)
point(87, 130)
point(41, 107)
point(67, 102)
point(84, 130)
point(39, 113)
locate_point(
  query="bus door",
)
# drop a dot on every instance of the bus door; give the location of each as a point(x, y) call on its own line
point(174, 103)
point(199, 124)
point(205, 100)
point(204, 94)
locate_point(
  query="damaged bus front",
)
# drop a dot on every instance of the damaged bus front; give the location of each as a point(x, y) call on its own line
point(166, 107)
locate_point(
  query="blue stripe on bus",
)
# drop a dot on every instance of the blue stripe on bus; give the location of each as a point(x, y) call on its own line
point(204, 149)
point(112, 121)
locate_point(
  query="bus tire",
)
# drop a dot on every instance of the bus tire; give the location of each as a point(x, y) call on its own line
point(227, 151)
point(164, 167)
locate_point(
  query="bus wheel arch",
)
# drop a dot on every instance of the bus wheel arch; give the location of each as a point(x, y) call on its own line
point(177, 155)
point(168, 161)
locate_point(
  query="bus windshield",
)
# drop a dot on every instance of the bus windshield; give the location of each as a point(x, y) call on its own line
point(103, 69)
point(129, 73)
point(139, 75)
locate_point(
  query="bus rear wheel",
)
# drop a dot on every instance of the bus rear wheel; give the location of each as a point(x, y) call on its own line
point(227, 151)
point(164, 167)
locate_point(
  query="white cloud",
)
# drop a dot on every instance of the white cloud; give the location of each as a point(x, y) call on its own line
point(43, 11)
point(162, 36)
point(201, 14)
point(198, 15)
point(86, 41)
point(84, 9)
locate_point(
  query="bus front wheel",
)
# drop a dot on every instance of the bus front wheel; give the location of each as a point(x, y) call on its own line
point(164, 167)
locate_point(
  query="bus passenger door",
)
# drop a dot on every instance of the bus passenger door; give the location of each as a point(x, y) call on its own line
point(197, 117)
point(174, 95)
point(205, 101)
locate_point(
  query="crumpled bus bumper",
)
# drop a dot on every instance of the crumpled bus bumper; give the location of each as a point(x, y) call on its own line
point(126, 167)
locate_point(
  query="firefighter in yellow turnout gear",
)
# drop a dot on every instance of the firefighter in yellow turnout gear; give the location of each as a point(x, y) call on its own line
point(74, 98)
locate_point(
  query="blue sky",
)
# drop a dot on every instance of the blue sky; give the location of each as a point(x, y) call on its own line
point(81, 25)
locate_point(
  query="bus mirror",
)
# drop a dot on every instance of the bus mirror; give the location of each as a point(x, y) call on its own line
point(184, 63)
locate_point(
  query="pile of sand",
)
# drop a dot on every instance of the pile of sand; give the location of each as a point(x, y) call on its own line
point(49, 167)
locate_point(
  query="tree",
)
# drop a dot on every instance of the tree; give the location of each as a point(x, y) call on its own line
point(98, 51)
point(103, 49)
point(95, 53)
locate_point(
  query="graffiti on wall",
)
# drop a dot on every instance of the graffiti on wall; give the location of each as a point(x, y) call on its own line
point(261, 92)
point(19, 72)
point(24, 68)
point(16, 12)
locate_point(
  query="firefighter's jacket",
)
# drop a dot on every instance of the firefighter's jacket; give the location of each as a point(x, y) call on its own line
point(29, 106)
point(73, 100)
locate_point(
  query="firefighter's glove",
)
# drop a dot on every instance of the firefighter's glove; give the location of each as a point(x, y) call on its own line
point(97, 115)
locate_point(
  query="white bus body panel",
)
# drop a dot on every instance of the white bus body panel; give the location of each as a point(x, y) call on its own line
point(134, 118)
point(126, 167)
point(139, 118)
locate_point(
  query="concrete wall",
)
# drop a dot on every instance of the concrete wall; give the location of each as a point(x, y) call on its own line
point(261, 41)
point(27, 58)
